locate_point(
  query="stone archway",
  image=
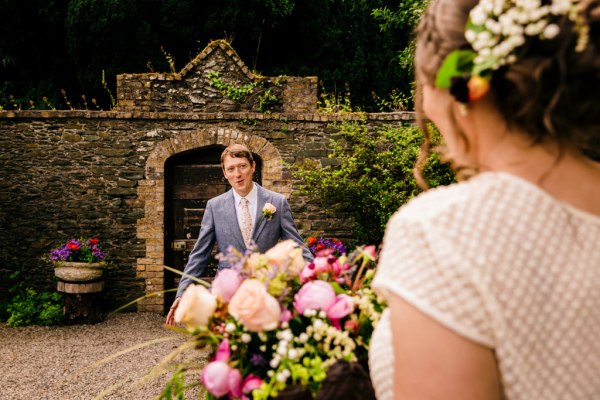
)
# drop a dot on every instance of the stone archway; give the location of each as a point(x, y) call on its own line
point(151, 193)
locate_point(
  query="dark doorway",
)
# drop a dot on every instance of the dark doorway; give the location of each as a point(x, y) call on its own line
point(191, 179)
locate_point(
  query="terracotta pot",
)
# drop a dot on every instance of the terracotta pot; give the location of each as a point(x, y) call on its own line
point(78, 271)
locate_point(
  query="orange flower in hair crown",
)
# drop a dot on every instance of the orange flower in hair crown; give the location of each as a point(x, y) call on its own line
point(496, 29)
point(268, 211)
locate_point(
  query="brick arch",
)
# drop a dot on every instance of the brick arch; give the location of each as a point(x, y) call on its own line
point(151, 193)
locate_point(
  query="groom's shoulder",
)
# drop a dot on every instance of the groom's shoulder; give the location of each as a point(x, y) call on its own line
point(274, 195)
point(220, 198)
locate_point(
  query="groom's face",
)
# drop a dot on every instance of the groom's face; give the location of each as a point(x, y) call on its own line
point(238, 171)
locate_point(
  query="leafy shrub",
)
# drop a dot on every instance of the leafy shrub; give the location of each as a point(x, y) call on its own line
point(33, 308)
point(28, 307)
point(373, 176)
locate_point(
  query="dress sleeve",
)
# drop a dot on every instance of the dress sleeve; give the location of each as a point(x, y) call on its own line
point(420, 263)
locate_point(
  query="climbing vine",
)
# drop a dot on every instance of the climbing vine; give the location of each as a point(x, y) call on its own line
point(235, 93)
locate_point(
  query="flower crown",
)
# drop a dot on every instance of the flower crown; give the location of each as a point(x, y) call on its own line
point(495, 30)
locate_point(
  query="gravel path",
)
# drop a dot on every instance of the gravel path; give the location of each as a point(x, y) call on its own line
point(64, 362)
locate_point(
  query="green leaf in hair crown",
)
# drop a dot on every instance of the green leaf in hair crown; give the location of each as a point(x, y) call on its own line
point(458, 64)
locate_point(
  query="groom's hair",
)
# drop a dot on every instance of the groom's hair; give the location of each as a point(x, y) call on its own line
point(237, 151)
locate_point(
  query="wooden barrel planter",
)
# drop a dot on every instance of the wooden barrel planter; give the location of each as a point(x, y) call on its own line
point(81, 285)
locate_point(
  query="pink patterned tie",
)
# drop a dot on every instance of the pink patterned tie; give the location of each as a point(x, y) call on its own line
point(246, 221)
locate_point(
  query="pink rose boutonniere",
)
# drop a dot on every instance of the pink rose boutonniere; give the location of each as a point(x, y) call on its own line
point(268, 211)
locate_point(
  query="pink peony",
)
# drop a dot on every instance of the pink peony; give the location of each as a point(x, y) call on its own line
point(226, 283)
point(321, 264)
point(308, 273)
point(235, 383)
point(314, 295)
point(342, 307)
point(220, 379)
point(215, 378)
point(255, 307)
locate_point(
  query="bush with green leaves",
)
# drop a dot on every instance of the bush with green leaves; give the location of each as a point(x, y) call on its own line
point(373, 176)
point(29, 307)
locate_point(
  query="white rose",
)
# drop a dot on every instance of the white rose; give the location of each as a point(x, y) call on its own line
point(197, 305)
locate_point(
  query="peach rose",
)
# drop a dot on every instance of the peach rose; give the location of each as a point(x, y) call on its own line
point(287, 253)
point(197, 305)
point(255, 307)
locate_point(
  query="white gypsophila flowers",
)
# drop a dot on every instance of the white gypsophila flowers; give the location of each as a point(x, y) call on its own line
point(293, 354)
point(498, 27)
point(302, 338)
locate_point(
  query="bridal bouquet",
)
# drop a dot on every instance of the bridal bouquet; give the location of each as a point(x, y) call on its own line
point(275, 324)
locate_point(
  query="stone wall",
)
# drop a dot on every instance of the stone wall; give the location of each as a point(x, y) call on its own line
point(101, 173)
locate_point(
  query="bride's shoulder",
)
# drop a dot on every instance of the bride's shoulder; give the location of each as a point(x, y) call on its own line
point(483, 193)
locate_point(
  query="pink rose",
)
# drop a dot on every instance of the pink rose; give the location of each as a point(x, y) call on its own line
point(196, 306)
point(215, 378)
point(342, 307)
point(314, 295)
point(226, 283)
point(255, 307)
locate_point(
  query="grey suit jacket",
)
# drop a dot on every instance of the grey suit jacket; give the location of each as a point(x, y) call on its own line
point(220, 225)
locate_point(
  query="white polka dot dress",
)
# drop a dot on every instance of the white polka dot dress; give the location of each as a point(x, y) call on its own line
point(502, 263)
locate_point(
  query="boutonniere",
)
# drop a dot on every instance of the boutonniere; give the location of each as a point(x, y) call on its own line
point(268, 211)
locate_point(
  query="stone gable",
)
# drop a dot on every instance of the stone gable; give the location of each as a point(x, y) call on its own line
point(190, 89)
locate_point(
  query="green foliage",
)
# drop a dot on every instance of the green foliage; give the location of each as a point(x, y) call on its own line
point(233, 92)
point(266, 100)
point(175, 387)
point(333, 102)
point(29, 307)
point(374, 175)
point(113, 102)
point(404, 18)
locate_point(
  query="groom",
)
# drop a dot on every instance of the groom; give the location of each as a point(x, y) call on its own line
point(236, 217)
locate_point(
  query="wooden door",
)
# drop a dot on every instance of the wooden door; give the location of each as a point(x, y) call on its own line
point(191, 179)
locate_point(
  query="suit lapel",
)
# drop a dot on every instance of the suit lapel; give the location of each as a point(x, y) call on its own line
point(262, 197)
point(230, 217)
